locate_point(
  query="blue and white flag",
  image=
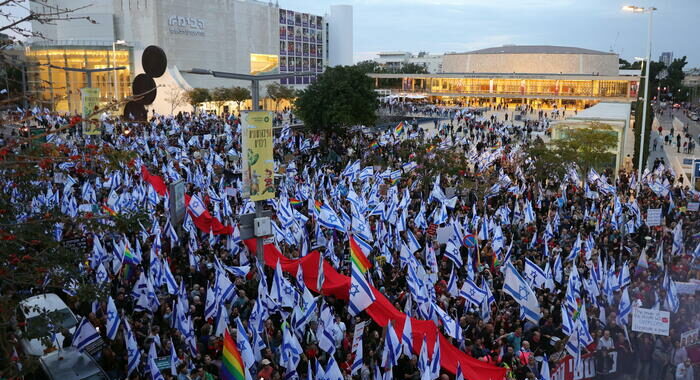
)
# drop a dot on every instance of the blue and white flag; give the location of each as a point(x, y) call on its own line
point(113, 319)
point(624, 308)
point(153, 368)
point(515, 286)
point(361, 295)
point(329, 219)
point(243, 344)
point(472, 293)
point(85, 335)
point(392, 347)
point(359, 357)
point(407, 337)
point(534, 274)
point(196, 206)
point(132, 348)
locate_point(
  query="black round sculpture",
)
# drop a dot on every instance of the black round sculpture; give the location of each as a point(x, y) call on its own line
point(154, 61)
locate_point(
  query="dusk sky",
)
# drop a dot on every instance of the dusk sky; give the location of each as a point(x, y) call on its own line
point(439, 26)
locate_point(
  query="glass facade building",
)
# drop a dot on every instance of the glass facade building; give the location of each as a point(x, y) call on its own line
point(535, 89)
point(59, 90)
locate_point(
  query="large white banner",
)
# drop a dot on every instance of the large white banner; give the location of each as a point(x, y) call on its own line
point(651, 321)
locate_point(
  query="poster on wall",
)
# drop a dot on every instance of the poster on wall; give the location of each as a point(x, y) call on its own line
point(257, 165)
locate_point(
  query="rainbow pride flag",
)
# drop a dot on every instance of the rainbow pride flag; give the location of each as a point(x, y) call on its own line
point(318, 205)
point(109, 210)
point(357, 257)
point(232, 367)
point(430, 149)
point(399, 129)
point(374, 145)
point(129, 256)
point(295, 202)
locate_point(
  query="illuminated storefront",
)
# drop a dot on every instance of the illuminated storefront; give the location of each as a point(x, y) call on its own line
point(59, 89)
point(535, 89)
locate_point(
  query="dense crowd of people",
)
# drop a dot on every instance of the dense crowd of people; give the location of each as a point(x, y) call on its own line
point(444, 246)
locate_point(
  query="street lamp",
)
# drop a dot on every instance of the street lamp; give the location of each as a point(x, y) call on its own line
point(114, 60)
point(650, 11)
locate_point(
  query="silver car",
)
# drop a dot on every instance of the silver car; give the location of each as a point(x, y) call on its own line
point(70, 364)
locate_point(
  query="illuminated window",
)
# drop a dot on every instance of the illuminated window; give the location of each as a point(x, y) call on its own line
point(264, 64)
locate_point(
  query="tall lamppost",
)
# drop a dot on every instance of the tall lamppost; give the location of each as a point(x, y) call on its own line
point(650, 11)
point(114, 63)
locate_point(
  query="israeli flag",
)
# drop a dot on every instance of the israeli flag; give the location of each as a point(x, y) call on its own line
point(534, 273)
point(515, 286)
point(132, 348)
point(472, 293)
point(329, 219)
point(196, 206)
point(361, 295)
point(85, 335)
point(113, 319)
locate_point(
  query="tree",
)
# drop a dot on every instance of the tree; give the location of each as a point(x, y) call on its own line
point(341, 97)
point(197, 96)
point(221, 95)
point(587, 147)
point(176, 97)
point(278, 92)
point(239, 95)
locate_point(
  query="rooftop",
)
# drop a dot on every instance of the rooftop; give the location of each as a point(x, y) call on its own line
point(535, 49)
point(604, 111)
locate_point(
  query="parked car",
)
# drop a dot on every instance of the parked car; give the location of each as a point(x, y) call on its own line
point(69, 364)
point(34, 316)
point(694, 116)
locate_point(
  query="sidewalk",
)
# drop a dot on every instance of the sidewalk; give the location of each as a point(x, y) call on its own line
point(670, 152)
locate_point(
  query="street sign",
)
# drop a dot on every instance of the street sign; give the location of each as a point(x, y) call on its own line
point(177, 201)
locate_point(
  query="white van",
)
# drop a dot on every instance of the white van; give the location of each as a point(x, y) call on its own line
point(35, 334)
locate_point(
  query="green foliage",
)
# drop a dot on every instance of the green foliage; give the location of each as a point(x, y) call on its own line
point(30, 257)
point(221, 95)
point(587, 147)
point(341, 97)
point(197, 96)
point(239, 95)
point(278, 92)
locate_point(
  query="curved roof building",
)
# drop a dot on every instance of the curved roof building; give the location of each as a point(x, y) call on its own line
point(533, 59)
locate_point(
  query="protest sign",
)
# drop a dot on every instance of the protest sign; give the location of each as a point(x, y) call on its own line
point(687, 287)
point(653, 217)
point(650, 321)
point(357, 334)
point(689, 337)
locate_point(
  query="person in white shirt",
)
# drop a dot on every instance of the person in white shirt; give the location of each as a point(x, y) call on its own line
point(684, 371)
point(605, 341)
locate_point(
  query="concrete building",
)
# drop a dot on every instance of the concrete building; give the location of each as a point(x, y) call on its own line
point(242, 36)
point(393, 61)
point(541, 76)
point(666, 58)
point(613, 118)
